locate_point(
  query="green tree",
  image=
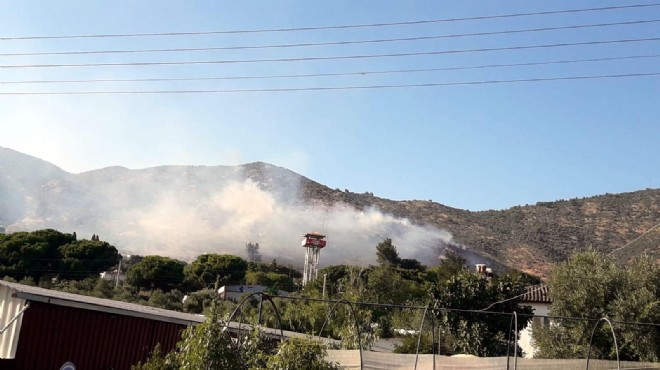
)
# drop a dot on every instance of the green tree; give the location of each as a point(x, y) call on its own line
point(199, 301)
point(480, 334)
point(386, 253)
point(208, 268)
point(156, 272)
point(84, 258)
point(205, 346)
point(591, 285)
point(300, 354)
point(169, 301)
point(31, 254)
point(271, 280)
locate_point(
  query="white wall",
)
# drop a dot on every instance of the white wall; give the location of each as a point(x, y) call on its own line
point(525, 336)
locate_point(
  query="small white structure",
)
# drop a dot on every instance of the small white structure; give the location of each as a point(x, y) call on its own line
point(234, 292)
point(537, 297)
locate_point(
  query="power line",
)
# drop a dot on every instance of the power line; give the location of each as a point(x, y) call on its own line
point(339, 74)
point(332, 43)
point(458, 310)
point(634, 240)
point(336, 57)
point(512, 298)
point(333, 88)
point(317, 28)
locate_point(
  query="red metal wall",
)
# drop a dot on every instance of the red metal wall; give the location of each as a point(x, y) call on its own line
point(52, 335)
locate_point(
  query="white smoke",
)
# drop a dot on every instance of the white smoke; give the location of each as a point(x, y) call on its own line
point(165, 212)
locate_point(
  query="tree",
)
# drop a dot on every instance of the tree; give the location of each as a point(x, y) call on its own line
point(205, 346)
point(271, 280)
point(593, 286)
point(253, 252)
point(156, 272)
point(84, 258)
point(480, 334)
point(31, 254)
point(300, 354)
point(208, 268)
point(386, 253)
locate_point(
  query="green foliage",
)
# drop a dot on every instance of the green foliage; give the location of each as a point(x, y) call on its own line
point(32, 254)
point(84, 258)
point(274, 267)
point(411, 264)
point(271, 280)
point(206, 346)
point(591, 285)
point(386, 285)
point(169, 301)
point(156, 272)
point(409, 344)
point(479, 334)
point(300, 354)
point(386, 253)
point(156, 361)
point(208, 268)
point(199, 301)
point(46, 254)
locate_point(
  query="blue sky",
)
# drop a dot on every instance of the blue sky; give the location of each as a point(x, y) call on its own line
point(473, 147)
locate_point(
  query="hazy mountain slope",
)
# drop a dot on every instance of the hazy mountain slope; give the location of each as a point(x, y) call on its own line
point(534, 236)
point(183, 210)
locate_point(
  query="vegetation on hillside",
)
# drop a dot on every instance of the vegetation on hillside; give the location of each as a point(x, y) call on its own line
point(588, 285)
point(591, 285)
point(532, 237)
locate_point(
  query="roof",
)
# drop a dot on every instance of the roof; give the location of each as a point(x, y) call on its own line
point(36, 294)
point(536, 294)
point(314, 234)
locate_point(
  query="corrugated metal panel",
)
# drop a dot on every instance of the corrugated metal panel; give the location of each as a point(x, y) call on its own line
point(9, 308)
point(32, 293)
point(52, 335)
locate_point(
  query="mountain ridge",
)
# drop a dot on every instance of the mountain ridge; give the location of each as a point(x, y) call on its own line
point(529, 238)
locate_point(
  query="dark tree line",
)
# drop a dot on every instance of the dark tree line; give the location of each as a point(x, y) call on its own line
point(49, 253)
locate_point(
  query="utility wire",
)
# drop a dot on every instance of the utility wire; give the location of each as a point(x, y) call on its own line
point(347, 26)
point(338, 74)
point(458, 310)
point(337, 57)
point(333, 88)
point(512, 298)
point(332, 43)
point(634, 240)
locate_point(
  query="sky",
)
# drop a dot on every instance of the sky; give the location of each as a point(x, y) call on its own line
point(475, 146)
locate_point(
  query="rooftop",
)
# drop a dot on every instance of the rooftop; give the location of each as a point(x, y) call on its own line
point(36, 294)
point(536, 294)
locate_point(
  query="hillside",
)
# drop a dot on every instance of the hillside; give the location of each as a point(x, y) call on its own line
point(531, 237)
point(183, 210)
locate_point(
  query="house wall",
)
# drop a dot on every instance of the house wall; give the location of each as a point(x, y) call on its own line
point(10, 307)
point(52, 335)
point(525, 336)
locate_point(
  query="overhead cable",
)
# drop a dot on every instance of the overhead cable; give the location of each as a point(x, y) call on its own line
point(332, 43)
point(336, 57)
point(634, 240)
point(331, 88)
point(338, 74)
point(317, 28)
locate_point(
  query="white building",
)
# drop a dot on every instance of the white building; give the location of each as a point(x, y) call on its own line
point(537, 297)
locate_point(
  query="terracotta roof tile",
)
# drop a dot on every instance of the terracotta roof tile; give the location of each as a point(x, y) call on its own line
point(536, 294)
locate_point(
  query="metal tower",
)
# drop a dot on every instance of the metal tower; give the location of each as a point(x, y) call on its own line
point(313, 242)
